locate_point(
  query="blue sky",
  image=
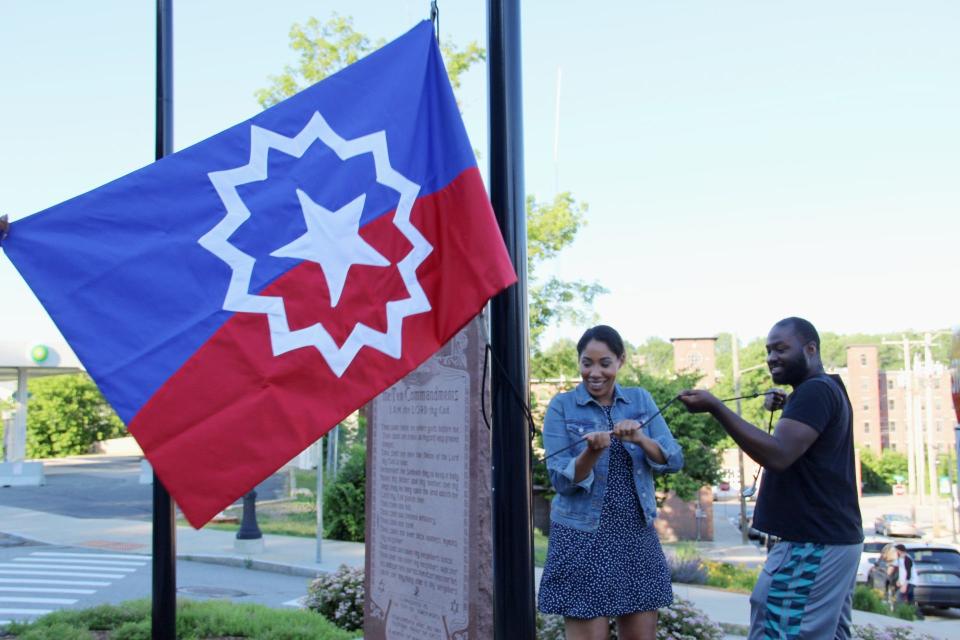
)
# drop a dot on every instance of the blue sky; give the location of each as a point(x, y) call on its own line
point(742, 160)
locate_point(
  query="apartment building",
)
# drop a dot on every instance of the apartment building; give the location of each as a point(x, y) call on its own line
point(889, 405)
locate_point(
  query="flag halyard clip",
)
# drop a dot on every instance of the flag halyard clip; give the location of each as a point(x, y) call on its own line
point(435, 17)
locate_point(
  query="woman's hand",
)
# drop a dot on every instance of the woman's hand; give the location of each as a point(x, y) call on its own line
point(629, 431)
point(598, 440)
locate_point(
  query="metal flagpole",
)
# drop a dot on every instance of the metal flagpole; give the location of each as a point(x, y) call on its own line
point(514, 614)
point(164, 618)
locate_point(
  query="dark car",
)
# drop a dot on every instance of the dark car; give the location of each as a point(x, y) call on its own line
point(935, 576)
point(752, 534)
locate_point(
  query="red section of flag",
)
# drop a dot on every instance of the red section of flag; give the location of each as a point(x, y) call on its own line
point(235, 413)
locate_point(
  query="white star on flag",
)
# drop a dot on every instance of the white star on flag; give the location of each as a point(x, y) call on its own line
point(332, 241)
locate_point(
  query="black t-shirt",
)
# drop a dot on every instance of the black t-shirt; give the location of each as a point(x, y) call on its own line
point(815, 499)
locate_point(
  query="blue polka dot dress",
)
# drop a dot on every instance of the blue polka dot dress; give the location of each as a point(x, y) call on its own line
point(616, 570)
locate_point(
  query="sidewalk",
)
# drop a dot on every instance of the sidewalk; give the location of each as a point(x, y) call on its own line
point(295, 556)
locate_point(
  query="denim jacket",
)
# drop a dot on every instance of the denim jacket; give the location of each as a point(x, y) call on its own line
point(572, 415)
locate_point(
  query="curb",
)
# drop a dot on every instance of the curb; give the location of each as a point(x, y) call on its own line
point(250, 563)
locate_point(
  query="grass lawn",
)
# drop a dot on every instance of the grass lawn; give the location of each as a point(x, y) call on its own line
point(210, 620)
point(293, 517)
point(539, 548)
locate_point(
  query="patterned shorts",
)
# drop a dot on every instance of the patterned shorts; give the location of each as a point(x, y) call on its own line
point(805, 592)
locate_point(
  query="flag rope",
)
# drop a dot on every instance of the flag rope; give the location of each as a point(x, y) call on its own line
point(488, 356)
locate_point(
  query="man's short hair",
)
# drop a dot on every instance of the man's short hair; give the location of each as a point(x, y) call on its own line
point(900, 547)
point(804, 330)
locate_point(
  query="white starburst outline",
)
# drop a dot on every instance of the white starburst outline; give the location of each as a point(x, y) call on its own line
point(239, 298)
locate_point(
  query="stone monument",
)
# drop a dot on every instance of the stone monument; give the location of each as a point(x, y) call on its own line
point(429, 533)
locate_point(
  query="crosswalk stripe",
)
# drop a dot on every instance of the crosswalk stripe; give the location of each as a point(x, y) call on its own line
point(37, 600)
point(48, 590)
point(62, 565)
point(65, 574)
point(25, 612)
point(111, 556)
point(117, 563)
point(76, 583)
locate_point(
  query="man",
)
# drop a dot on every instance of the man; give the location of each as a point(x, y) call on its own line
point(904, 571)
point(808, 497)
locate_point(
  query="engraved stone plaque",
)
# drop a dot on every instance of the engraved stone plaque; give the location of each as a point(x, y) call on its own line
point(428, 553)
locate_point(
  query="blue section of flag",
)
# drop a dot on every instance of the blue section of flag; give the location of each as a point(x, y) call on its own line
point(139, 233)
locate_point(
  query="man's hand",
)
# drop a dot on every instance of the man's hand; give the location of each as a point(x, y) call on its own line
point(774, 399)
point(698, 400)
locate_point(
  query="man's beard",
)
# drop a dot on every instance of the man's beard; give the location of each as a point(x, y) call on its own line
point(792, 372)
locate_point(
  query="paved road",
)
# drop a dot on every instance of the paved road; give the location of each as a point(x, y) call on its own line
point(100, 487)
point(37, 579)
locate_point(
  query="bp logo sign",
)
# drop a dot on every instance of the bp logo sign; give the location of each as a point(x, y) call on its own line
point(40, 353)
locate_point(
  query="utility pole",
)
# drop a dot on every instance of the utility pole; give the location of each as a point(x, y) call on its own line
point(744, 525)
point(918, 432)
point(914, 480)
point(931, 435)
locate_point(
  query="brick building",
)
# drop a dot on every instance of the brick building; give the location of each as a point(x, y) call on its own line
point(696, 355)
point(881, 415)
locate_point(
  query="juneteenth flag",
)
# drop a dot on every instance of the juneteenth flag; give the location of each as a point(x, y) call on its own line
point(237, 299)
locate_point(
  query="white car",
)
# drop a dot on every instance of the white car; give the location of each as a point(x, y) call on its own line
point(871, 551)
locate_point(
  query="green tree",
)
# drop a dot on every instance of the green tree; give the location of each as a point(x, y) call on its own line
point(755, 378)
point(67, 414)
point(557, 360)
point(698, 434)
point(323, 48)
point(892, 464)
point(655, 357)
point(552, 227)
point(344, 515)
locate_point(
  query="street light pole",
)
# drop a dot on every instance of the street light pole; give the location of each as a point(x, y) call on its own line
point(744, 528)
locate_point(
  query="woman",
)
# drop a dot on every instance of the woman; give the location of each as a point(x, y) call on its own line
point(604, 558)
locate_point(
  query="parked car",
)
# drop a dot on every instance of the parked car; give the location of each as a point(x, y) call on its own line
point(872, 546)
point(895, 524)
point(725, 491)
point(935, 576)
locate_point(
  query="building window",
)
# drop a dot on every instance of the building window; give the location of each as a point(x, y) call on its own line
point(863, 383)
point(893, 426)
point(893, 446)
point(936, 405)
point(866, 407)
point(694, 360)
point(866, 427)
point(939, 425)
point(863, 359)
point(936, 383)
point(891, 405)
point(889, 384)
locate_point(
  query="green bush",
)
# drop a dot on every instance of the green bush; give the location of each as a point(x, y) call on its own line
point(195, 619)
point(868, 599)
point(67, 415)
point(680, 621)
point(344, 499)
point(686, 565)
point(731, 576)
point(905, 611)
point(338, 597)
